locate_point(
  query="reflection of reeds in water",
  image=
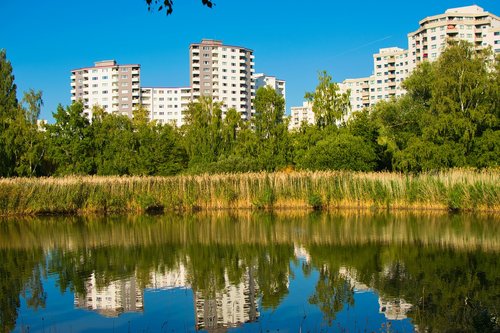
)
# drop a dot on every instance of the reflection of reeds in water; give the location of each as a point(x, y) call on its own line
point(451, 190)
point(464, 231)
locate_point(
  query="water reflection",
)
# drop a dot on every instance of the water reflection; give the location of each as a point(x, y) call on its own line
point(425, 273)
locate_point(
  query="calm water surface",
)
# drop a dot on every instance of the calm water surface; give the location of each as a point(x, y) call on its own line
point(286, 272)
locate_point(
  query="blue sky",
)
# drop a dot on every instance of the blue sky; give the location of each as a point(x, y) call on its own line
point(292, 40)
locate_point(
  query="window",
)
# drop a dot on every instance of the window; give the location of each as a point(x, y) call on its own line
point(124, 69)
point(94, 78)
point(124, 106)
point(105, 77)
point(124, 76)
point(124, 84)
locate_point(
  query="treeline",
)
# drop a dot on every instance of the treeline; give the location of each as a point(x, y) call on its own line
point(450, 117)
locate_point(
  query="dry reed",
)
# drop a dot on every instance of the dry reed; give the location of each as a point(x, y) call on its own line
point(458, 190)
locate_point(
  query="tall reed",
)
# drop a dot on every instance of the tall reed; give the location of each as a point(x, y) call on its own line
point(461, 190)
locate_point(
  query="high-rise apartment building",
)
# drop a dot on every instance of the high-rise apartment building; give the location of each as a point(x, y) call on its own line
point(114, 87)
point(224, 73)
point(392, 65)
point(470, 23)
point(166, 105)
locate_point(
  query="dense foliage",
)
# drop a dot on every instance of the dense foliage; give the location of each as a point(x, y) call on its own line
point(449, 118)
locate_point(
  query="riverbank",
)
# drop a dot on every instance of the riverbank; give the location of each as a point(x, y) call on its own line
point(455, 190)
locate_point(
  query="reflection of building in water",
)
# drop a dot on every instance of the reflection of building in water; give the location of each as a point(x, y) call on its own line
point(170, 279)
point(301, 253)
point(394, 309)
point(110, 301)
point(234, 305)
point(351, 277)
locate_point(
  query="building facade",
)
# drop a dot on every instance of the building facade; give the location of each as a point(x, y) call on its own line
point(263, 80)
point(470, 23)
point(114, 87)
point(166, 105)
point(392, 65)
point(390, 68)
point(224, 73)
point(359, 92)
point(301, 114)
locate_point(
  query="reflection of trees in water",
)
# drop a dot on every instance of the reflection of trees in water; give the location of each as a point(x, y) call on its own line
point(20, 274)
point(332, 293)
point(449, 290)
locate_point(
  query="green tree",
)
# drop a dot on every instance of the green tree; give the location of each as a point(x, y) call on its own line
point(271, 129)
point(114, 143)
point(450, 104)
point(34, 138)
point(202, 131)
point(71, 142)
point(340, 151)
point(8, 111)
point(329, 105)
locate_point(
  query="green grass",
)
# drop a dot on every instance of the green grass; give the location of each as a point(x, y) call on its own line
point(455, 190)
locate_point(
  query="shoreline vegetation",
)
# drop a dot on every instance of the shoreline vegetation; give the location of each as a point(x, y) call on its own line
point(453, 190)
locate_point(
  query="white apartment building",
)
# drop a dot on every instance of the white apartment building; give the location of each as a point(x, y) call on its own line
point(390, 68)
point(359, 92)
point(166, 105)
point(470, 23)
point(223, 72)
point(263, 80)
point(114, 87)
point(392, 65)
point(300, 114)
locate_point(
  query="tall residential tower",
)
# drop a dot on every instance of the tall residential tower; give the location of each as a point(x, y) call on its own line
point(470, 23)
point(223, 72)
point(114, 87)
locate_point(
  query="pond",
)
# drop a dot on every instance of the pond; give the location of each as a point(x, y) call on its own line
point(287, 271)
